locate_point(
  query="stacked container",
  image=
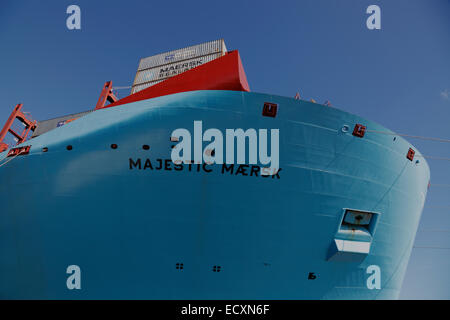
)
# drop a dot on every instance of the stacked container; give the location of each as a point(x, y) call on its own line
point(160, 67)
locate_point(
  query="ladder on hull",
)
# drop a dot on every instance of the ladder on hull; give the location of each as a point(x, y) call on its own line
point(30, 125)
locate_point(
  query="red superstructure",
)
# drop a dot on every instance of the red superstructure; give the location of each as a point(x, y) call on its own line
point(224, 73)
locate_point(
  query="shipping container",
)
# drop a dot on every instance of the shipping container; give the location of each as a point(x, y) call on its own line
point(216, 46)
point(160, 67)
point(172, 69)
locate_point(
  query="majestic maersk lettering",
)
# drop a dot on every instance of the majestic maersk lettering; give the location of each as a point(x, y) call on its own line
point(231, 169)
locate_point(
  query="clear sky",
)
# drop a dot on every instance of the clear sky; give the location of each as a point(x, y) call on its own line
point(398, 76)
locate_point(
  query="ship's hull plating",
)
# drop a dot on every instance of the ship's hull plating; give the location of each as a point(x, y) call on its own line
point(127, 228)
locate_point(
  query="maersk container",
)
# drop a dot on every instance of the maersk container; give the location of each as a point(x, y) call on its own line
point(172, 69)
point(216, 46)
point(156, 68)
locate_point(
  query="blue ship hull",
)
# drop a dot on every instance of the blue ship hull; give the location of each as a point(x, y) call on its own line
point(162, 232)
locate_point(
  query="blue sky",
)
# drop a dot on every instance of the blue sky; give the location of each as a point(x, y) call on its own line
point(398, 76)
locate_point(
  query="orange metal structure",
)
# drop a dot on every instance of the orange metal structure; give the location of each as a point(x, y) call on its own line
point(106, 95)
point(29, 126)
